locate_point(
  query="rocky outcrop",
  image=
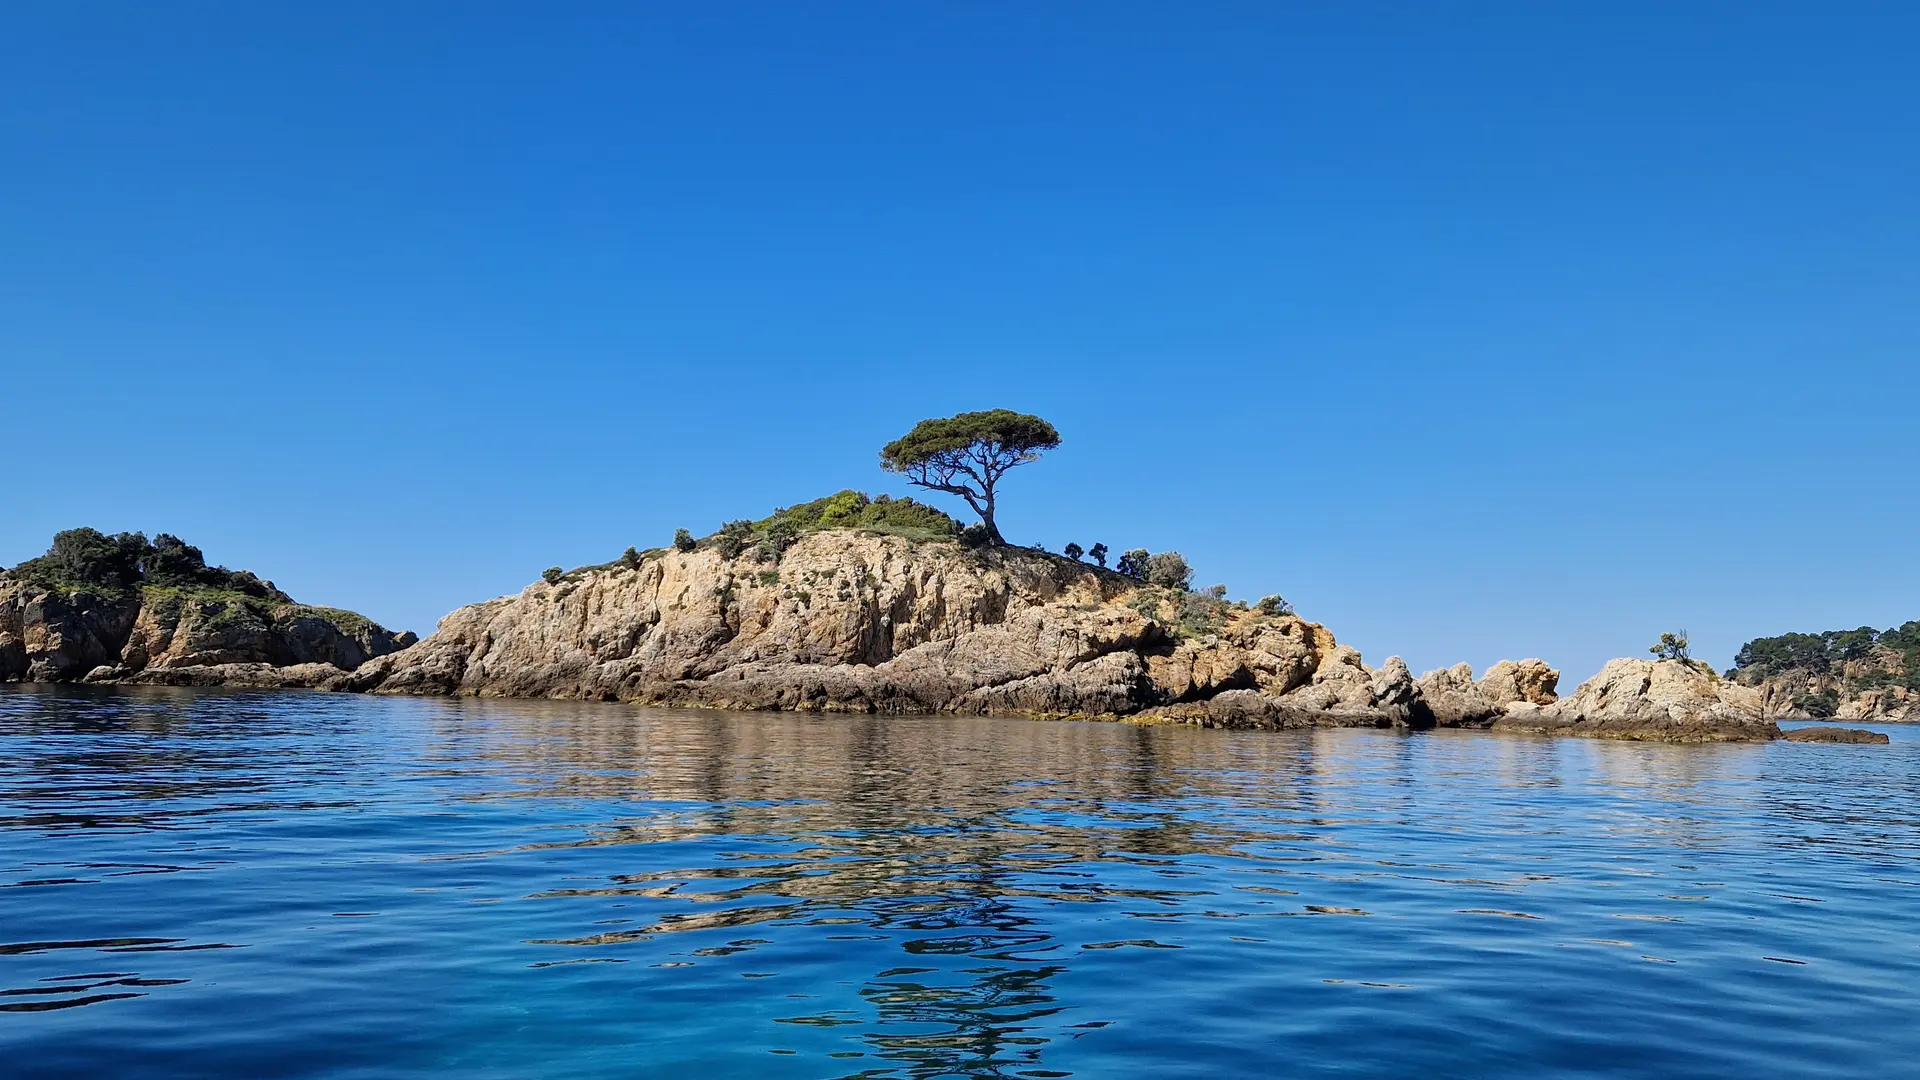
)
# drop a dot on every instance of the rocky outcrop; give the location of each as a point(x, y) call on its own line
point(146, 634)
point(1837, 735)
point(1664, 700)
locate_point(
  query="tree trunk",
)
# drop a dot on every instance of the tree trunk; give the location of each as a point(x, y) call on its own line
point(986, 518)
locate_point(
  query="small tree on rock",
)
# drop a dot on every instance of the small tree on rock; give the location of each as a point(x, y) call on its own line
point(683, 540)
point(552, 575)
point(1098, 553)
point(1671, 646)
point(966, 455)
point(1072, 551)
point(1133, 563)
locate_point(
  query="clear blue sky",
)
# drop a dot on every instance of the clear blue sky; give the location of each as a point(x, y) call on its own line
point(1478, 330)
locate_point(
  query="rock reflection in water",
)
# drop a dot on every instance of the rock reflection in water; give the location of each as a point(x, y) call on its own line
point(928, 833)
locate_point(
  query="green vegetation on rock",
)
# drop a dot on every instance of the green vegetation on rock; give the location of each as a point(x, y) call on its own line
point(771, 536)
point(82, 560)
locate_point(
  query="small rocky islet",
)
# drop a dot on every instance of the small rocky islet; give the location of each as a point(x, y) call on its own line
point(846, 604)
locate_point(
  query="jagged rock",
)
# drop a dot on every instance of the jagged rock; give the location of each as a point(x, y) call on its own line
point(1836, 735)
point(1666, 700)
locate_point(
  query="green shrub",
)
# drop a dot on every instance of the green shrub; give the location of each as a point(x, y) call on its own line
point(552, 575)
point(854, 510)
point(1133, 563)
point(976, 535)
point(683, 540)
point(1202, 612)
point(733, 538)
point(1169, 570)
point(1823, 704)
point(630, 558)
point(1274, 604)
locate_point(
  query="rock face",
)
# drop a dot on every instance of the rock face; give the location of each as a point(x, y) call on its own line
point(178, 636)
point(1887, 704)
point(1665, 700)
point(1837, 735)
point(863, 622)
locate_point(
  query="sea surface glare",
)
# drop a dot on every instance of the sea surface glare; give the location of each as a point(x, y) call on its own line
point(200, 884)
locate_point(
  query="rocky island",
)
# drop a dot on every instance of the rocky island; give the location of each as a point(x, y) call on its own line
point(848, 603)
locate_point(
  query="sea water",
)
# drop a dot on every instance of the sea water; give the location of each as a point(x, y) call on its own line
point(287, 885)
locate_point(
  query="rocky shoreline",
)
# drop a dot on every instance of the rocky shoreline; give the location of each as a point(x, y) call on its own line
point(846, 620)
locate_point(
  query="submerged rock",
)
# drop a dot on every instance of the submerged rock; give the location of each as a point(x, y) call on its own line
point(1836, 735)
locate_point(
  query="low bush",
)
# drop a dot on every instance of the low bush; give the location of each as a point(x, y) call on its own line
point(552, 575)
point(683, 540)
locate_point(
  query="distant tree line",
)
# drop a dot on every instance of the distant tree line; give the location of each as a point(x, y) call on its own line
point(1889, 656)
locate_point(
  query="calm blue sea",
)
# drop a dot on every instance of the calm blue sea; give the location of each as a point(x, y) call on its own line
point(276, 885)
